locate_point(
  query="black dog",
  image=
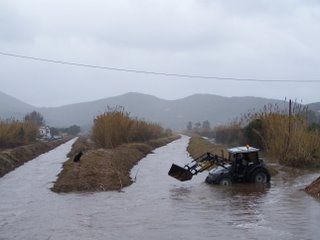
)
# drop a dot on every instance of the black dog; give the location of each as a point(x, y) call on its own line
point(77, 157)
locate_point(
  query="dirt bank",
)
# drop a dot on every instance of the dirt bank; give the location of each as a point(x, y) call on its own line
point(103, 169)
point(15, 157)
point(314, 188)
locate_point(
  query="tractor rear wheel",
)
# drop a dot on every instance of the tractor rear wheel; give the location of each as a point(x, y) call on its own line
point(260, 176)
point(225, 181)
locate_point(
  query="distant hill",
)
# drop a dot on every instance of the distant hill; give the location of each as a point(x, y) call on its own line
point(314, 107)
point(174, 114)
point(11, 107)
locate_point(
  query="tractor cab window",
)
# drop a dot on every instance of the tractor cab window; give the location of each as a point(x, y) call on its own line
point(248, 157)
point(232, 157)
point(252, 157)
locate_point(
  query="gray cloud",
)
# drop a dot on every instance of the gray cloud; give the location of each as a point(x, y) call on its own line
point(243, 39)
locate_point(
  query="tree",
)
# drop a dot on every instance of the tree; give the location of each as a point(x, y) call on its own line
point(73, 130)
point(54, 131)
point(253, 133)
point(206, 125)
point(35, 117)
point(197, 126)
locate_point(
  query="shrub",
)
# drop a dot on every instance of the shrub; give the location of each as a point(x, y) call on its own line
point(142, 131)
point(252, 133)
point(35, 117)
point(16, 133)
point(286, 137)
point(111, 128)
point(229, 134)
point(115, 127)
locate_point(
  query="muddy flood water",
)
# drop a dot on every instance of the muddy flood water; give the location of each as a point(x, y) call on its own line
point(156, 206)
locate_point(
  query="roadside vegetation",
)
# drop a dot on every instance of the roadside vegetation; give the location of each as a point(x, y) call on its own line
point(291, 137)
point(73, 130)
point(19, 141)
point(116, 144)
point(15, 133)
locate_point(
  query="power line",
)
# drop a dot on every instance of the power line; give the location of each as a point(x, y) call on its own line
point(166, 74)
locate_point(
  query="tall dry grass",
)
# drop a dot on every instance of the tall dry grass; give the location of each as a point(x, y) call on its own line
point(115, 127)
point(229, 134)
point(112, 128)
point(287, 137)
point(142, 131)
point(16, 133)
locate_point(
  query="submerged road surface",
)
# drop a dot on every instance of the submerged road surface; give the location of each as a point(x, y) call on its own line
point(156, 206)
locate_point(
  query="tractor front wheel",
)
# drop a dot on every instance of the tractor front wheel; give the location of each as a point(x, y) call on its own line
point(225, 181)
point(260, 176)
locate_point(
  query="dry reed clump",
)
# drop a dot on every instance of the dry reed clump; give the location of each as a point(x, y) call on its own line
point(285, 137)
point(230, 134)
point(142, 131)
point(16, 133)
point(288, 137)
point(111, 128)
point(115, 127)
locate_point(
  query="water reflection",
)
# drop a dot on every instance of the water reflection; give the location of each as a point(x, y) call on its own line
point(156, 206)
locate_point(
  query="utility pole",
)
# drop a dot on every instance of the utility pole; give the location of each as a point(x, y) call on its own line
point(289, 129)
point(290, 113)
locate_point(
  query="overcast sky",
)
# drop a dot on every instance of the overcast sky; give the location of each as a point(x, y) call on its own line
point(237, 39)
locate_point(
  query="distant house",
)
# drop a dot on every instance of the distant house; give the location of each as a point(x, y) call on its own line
point(44, 132)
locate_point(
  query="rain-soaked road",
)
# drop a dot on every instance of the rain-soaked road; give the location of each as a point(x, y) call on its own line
point(155, 207)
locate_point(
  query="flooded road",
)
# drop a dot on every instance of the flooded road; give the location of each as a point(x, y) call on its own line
point(156, 206)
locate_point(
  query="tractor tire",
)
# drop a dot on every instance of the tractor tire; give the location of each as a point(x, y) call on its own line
point(209, 180)
point(225, 181)
point(260, 176)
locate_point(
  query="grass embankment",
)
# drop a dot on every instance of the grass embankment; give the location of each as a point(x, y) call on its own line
point(198, 146)
point(15, 157)
point(103, 169)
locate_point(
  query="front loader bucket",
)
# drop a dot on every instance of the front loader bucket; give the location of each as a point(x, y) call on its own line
point(180, 173)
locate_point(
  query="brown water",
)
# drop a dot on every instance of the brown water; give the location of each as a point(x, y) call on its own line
point(156, 206)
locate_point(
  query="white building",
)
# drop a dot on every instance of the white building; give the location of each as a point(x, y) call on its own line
point(44, 132)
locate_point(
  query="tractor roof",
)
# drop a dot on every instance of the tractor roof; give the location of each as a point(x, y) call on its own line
point(242, 149)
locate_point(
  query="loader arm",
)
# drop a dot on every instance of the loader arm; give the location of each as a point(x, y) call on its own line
point(205, 162)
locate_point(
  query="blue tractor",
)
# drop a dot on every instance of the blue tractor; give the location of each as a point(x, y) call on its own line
point(242, 165)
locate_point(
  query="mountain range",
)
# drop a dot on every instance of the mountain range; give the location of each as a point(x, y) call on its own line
point(174, 114)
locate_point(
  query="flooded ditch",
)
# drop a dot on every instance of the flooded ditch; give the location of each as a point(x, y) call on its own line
point(156, 206)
